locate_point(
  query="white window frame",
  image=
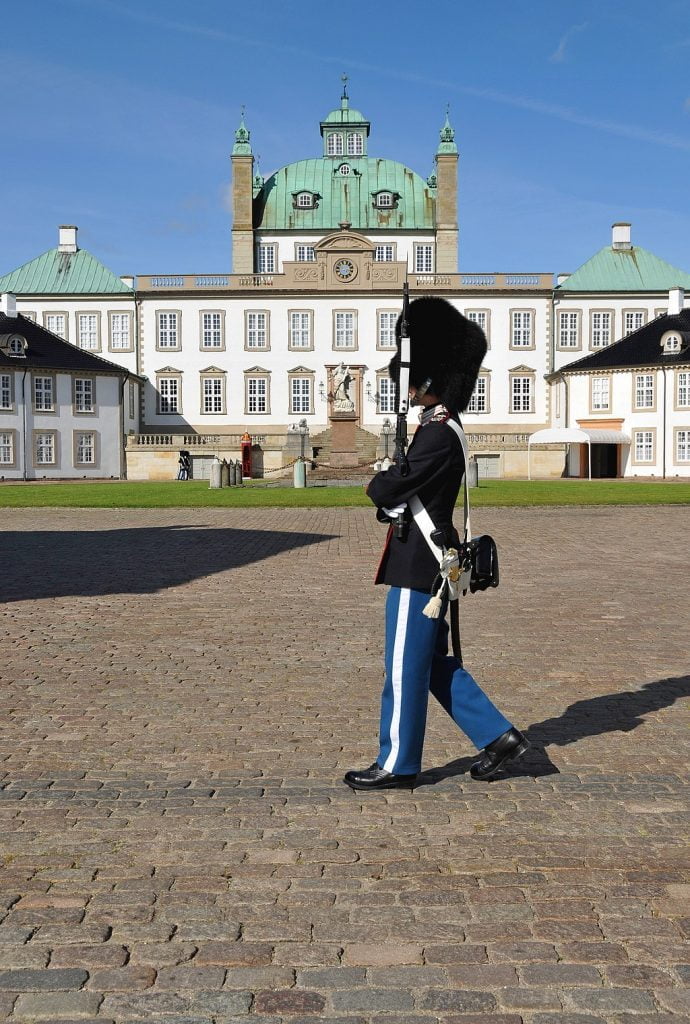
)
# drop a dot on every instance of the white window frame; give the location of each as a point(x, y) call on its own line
point(682, 389)
point(568, 329)
point(335, 144)
point(168, 329)
point(304, 200)
point(211, 333)
point(644, 391)
point(116, 335)
point(522, 328)
point(643, 447)
point(387, 399)
point(633, 320)
point(46, 394)
point(213, 394)
point(681, 446)
point(7, 448)
point(89, 330)
point(301, 394)
point(517, 396)
point(53, 316)
point(266, 258)
point(600, 327)
point(81, 445)
point(6, 392)
point(84, 395)
point(384, 200)
point(256, 330)
point(423, 258)
point(355, 144)
point(386, 320)
point(482, 318)
point(384, 253)
point(301, 329)
point(344, 329)
point(600, 394)
point(169, 391)
point(45, 442)
point(304, 253)
point(479, 402)
point(257, 394)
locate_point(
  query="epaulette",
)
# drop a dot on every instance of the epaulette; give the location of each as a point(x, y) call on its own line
point(439, 415)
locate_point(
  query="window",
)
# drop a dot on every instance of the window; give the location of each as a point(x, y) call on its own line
point(168, 394)
point(334, 144)
point(682, 445)
point(344, 336)
point(384, 253)
point(481, 318)
point(386, 320)
point(57, 323)
point(600, 394)
point(671, 342)
point(643, 441)
point(213, 399)
point(355, 144)
point(84, 448)
point(304, 200)
point(84, 394)
point(568, 329)
point(44, 394)
point(44, 448)
point(521, 328)
point(266, 259)
point(300, 395)
point(520, 394)
point(7, 448)
point(257, 394)
point(16, 346)
point(120, 332)
point(633, 319)
point(644, 390)
point(344, 170)
point(600, 329)
point(479, 402)
point(256, 329)
point(387, 398)
point(300, 329)
point(305, 254)
point(423, 259)
point(87, 331)
point(168, 329)
point(6, 391)
point(384, 200)
point(683, 389)
point(211, 329)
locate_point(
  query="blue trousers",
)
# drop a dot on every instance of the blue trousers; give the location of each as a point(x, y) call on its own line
point(417, 663)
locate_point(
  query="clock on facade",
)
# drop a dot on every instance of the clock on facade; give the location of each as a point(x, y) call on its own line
point(344, 270)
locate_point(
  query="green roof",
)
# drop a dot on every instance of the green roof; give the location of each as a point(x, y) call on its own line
point(65, 273)
point(625, 270)
point(344, 198)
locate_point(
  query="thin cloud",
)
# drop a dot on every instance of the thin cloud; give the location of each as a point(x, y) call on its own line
point(630, 131)
point(558, 55)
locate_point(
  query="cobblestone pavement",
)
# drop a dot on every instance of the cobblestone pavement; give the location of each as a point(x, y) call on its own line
point(182, 692)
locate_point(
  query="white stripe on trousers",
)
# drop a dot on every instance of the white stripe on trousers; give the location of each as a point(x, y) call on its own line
point(397, 677)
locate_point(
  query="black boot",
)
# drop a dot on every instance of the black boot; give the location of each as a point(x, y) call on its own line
point(509, 745)
point(377, 778)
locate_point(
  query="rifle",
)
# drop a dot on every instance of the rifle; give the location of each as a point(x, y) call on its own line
point(399, 456)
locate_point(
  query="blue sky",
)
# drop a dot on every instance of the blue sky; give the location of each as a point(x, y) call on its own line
point(119, 116)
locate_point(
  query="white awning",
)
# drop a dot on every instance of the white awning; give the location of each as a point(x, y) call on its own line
point(597, 436)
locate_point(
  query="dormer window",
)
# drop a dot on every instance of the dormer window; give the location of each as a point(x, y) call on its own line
point(355, 144)
point(385, 200)
point(671, 342)
point(334, 144)
point(16, 346)
point(305, 200)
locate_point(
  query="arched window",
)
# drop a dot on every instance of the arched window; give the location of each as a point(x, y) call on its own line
point(305, 200)
point(334, 144)
point(384, 200)
point(344, 169)
point(355, 144)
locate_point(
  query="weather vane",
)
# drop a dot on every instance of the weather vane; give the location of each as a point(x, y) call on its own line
point(344, 79)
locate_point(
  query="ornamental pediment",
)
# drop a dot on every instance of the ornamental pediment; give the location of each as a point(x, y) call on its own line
point(344, 240)
point(257, 369)
point(301, 369)
point(168, 369)
point(522, 369)
point(213, 369)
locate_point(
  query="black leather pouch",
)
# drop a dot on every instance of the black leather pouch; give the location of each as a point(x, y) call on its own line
point(484, 563)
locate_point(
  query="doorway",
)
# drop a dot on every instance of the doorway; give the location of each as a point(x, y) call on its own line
point(605, 461)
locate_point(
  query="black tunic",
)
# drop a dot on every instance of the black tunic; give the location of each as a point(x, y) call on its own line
point(436, 466)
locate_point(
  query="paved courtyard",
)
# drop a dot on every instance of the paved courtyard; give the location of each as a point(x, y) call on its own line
point(182, 692)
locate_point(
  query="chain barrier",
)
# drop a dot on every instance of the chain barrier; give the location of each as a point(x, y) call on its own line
point(315, 465)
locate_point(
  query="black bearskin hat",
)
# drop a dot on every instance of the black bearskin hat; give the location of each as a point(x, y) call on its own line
point(445, 347)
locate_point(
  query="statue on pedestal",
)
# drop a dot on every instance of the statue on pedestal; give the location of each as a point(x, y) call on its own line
point(342, 379)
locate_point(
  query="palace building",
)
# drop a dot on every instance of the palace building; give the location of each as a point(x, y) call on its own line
point(320, 251)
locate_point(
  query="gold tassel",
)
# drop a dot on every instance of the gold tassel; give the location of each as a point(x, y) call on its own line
point(433, 609)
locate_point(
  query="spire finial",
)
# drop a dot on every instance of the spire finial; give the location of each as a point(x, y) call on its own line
point(344, 79)
point(242, 146)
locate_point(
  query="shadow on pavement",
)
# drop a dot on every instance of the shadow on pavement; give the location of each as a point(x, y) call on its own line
point(131, 561)
point(611, 712)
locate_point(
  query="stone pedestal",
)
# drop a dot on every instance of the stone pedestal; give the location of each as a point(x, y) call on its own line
point(343, 445)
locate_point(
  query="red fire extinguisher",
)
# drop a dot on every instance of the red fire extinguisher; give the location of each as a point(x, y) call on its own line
point(246, 445)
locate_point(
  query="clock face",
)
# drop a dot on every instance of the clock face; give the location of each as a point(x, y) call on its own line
point(344, 269)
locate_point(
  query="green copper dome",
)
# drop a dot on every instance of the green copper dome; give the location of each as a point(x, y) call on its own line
point(352, 198)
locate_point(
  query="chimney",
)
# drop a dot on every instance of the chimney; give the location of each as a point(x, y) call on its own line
point(676, 301)
point(67, 238)
point(620, 237)
point(560, 278)
point(8, 304)
point(128, 280)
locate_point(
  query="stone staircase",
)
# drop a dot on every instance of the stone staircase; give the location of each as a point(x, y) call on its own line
point(366, 444)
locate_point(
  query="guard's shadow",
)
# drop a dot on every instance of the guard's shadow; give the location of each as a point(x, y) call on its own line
point(56, 563)
point(612, 712)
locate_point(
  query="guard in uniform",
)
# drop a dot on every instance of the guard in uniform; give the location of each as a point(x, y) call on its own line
point(446, 351)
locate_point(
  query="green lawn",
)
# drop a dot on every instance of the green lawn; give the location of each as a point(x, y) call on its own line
point(197, 494)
